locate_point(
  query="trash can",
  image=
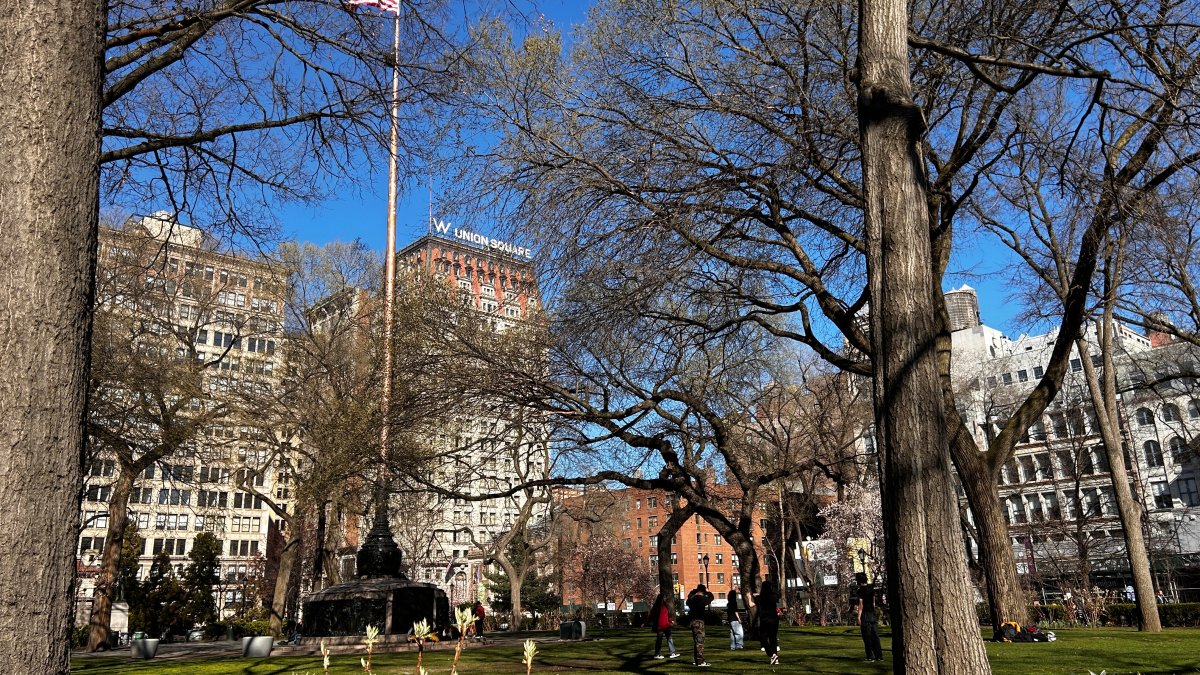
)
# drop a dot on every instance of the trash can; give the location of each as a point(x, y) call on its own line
point(571, 630)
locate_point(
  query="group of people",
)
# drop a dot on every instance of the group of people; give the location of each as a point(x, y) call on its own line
point(698, 602)
point(766, 602)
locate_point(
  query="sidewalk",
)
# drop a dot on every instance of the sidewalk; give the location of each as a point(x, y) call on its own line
point(229, 649)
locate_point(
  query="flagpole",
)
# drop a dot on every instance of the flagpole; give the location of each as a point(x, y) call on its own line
point(379, 556)
point(389, 283)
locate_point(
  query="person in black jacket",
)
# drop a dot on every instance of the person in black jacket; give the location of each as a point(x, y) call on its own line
point(697, 604)
point(867, 620)
point(767, 618)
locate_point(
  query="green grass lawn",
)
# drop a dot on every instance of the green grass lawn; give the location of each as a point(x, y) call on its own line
point(804, 650)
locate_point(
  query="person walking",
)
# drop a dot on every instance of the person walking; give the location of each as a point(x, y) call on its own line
point(697, 603)
point(736, 614)
point(478, 611)
point(867, 620)
point(660, 622)
point(767, 603)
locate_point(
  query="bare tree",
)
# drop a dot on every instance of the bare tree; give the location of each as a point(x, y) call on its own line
point(216, 109)
point(738, 145)
point(49, 143)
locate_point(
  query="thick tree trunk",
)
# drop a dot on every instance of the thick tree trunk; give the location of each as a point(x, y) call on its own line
point(319, 553)
point(516, 581)
point(283, 578)
point(49, 148)
point(929, 591)
point(666, 573)
point(1006, 601)
point(106, 582)
point(1104, 402)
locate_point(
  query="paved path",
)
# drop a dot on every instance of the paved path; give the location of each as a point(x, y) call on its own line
point(226, 649)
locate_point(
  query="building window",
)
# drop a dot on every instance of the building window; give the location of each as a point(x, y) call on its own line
point(1162, 494)
point(1178, 450)
point(1194, 408)
point(1076, 365)
point(1154, 454)
point(1059, 421)
point(1006, 378)
point(1170, 413)
point(1022, 375)
point(1028, 473)
point(1038, 371)
point(1043, 467)
point(1144, 417)
point(1187, 491)
point(991, 381)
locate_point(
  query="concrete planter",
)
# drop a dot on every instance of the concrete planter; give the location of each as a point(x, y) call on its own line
point(145, 648)
point(258, 646)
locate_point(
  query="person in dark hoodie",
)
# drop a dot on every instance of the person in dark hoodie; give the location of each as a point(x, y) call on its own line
point(767, 618)
point(867, 619)
point(697, 603)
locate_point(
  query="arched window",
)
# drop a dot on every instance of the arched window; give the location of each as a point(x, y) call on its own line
point(1144, 417)
point(1178, 450)
point(1154, 454)
point(1194, 408)
point(1170, 413)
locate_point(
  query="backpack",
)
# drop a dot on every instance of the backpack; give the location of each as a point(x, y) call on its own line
point(1039, 636)
point(1009, 630)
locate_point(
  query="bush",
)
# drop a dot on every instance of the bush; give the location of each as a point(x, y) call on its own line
point(1046, 613)
point(1175, 615)
point(79, 636)
point(217, 630)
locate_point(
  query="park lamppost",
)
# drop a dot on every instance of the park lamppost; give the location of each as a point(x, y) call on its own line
point(705, 561)
point(862, 560)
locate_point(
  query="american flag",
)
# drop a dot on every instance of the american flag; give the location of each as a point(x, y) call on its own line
point(386, 5)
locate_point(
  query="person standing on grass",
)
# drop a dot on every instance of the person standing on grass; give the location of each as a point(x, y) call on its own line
point(767, 602)
point(867, 620)
point(479, 613)
point(660, 622)
point(736, 615)
point(697, 603)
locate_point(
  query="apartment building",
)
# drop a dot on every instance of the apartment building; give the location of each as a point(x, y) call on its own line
point(631, 518)
point(1057, 488)
point(188, 347)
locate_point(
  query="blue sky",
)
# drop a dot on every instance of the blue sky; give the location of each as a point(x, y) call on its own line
point(360, 212)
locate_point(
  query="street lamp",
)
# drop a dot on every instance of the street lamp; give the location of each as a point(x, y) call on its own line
point(862, 560)
point(705, 561)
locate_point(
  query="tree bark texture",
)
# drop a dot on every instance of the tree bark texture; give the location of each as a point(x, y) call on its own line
point(929, 590)
point(1005, 598)
point(50, 149)
point(666, 574)
point(1104, 401)
point(106, 582)
point(283, 578)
